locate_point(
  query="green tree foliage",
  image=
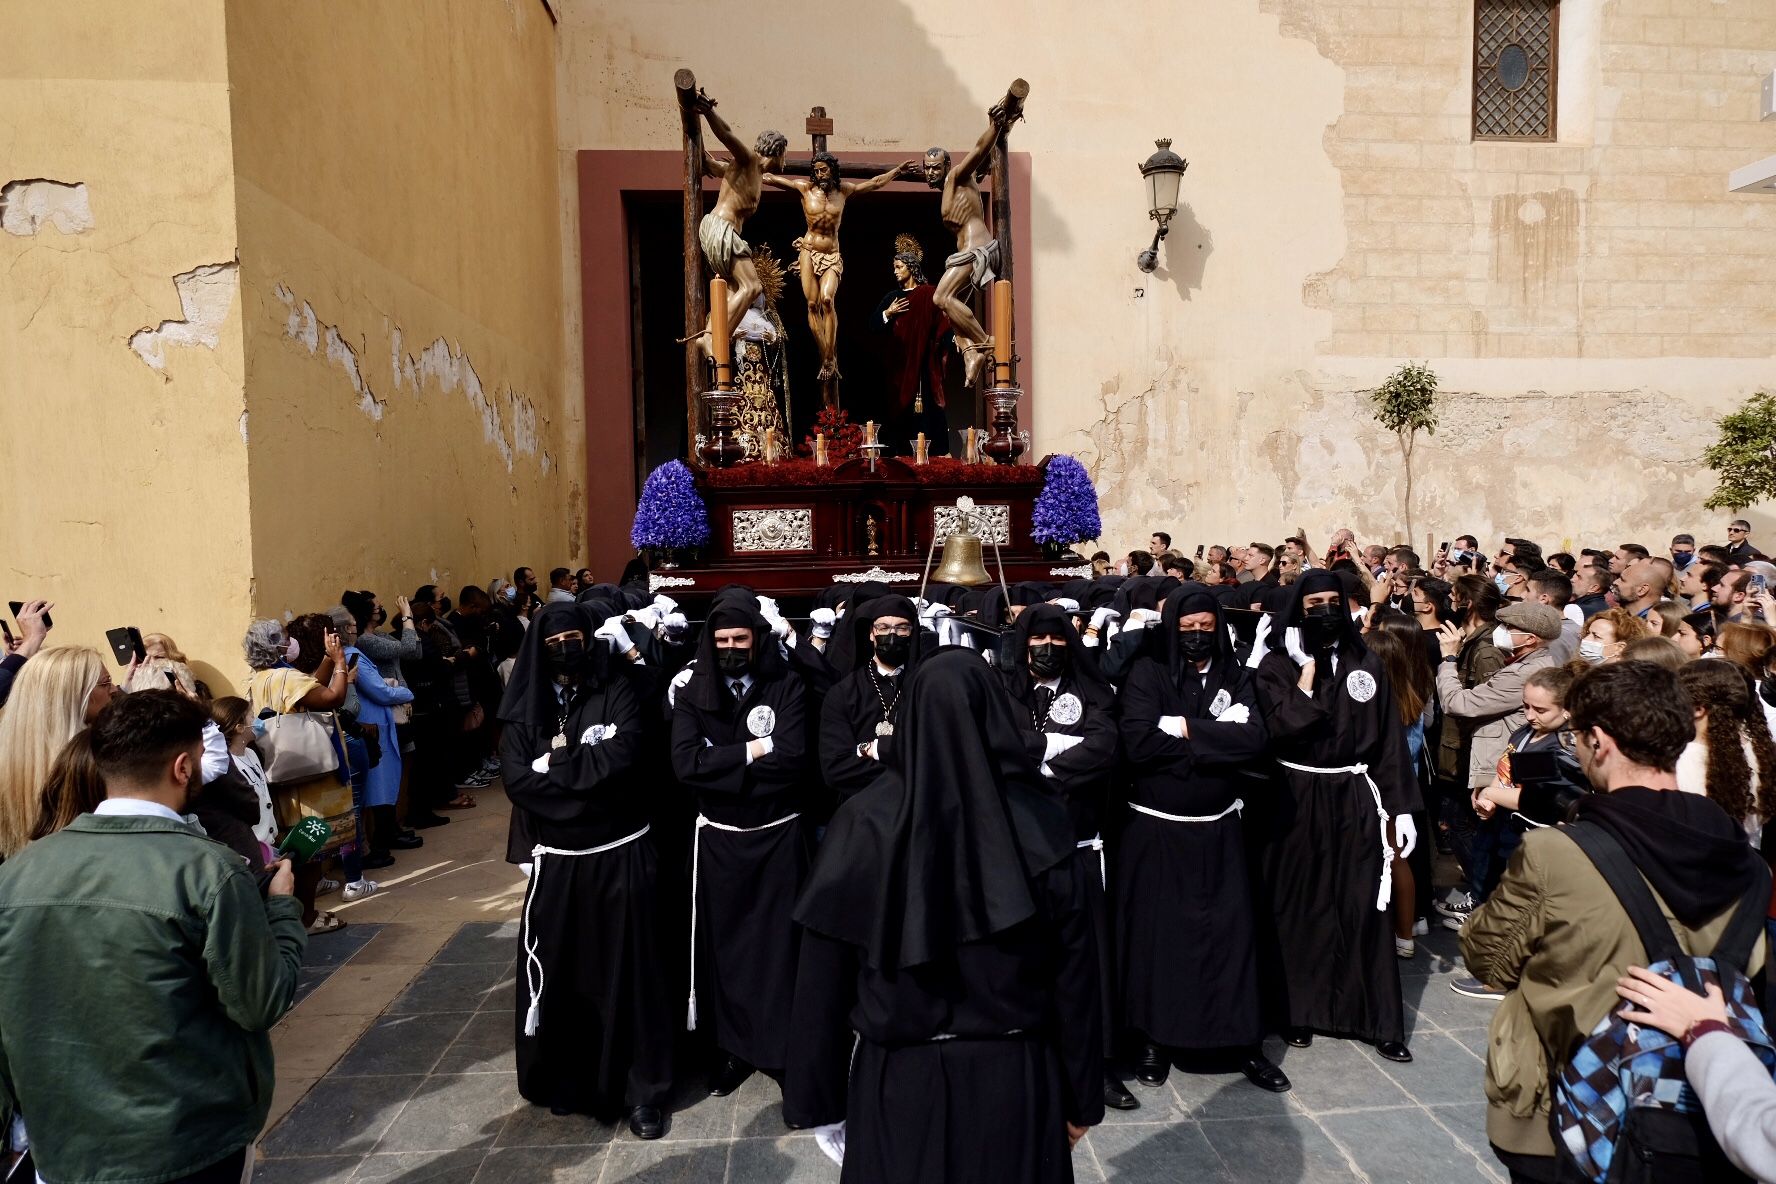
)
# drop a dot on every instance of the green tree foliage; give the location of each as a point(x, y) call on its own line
point(1406, 404)
point(1744, 458)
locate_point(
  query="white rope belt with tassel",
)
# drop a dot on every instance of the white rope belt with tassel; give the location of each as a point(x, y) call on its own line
point(1386, 892)
point(696, 863)
point(1096, 843)
point(533, 964)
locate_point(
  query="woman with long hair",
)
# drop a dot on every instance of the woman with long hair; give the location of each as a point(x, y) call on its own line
point(74, 787)
point(56, 694)
point(1396, 639)
point(1732, 759)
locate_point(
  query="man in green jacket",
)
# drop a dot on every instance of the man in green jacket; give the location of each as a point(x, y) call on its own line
point(140, 970)
point(1552, 933)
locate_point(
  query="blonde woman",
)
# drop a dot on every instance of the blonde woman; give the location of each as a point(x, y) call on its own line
point(58, 693)
point(163, 657)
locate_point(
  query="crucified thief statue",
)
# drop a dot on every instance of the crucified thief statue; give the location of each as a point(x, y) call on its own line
point(823, 197)
point(976, 261)
point(742, 177)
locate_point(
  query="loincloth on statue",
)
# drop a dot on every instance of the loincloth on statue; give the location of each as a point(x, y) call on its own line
point(721, 244)
point(982, 263)
point(824, 261)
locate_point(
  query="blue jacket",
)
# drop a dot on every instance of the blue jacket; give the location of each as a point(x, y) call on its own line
point(375, 699)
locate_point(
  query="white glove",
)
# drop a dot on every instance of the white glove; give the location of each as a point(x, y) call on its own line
point(1172, 725)
point(665, 604)
point(1407, 832)
point(768, 608)
point(1089, 641)
point(1066, 604)
point(674, 624)
point(822, 621)
point(1292, 644)
point(1058, 743)
point(764, 750)
point(779, 626)
point(613, 633)
point(933, 611)
point(1102, 615)
point(870, 751)
point(1239, 713)
point(648, 618)
point(1045, 770)
point(677, 684)
point(541, 764)
point(1145, 615)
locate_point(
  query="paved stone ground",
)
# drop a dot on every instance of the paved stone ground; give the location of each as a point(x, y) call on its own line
point(426, 1094)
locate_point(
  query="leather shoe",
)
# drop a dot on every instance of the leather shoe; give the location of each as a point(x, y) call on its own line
point(406, 841)
point(422, 821)
point(377, 860)
point(1393, 1050)
point(1264, 1074)
point(1117, 1096)
point(1298, 1037)
point(647, 1122)
point(728, 1077)
point(1152, 1066)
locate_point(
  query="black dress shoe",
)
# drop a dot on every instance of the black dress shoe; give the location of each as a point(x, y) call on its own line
point(424, 820)
point(647, 1122)
point(1152, 1065)
point(377, 860)
point(1298, 1037)
point(1263, 1073)
point(1117, 1096)
point(407, 841)
point(728, 1077)
point(561, 1111)
point(1393, 1050)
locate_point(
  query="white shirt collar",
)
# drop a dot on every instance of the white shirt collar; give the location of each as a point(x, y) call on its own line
point(1050, 684)
point(745, 681)
point(137, 808)
point(885, 671)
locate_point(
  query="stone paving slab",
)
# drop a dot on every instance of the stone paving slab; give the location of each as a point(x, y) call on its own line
point(426, 1095)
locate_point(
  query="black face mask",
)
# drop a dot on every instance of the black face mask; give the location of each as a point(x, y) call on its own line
point(1196, 646)
point(567, 658)
point(1048, 660)
point(892, 649)
point(1320, 628)
point(733, 662)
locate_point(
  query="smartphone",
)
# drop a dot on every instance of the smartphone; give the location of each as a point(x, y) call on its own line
point(351, 662)
point(1756, 583)
point(18, 606)
point(172, 681)
point(1199, 550)
point(1444, 549)
point(8, 632)
point(126, 645)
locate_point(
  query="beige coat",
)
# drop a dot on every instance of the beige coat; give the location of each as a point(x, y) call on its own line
point(1489, 711)
point(1554, 936)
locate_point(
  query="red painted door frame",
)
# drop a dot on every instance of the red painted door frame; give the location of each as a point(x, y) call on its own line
point(606, 179)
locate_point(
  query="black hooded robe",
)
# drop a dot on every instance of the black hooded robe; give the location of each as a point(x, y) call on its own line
point(862, 698)
point(588, 954)
point(1082, 774)
point(1322, 861)
point(745, 880)
point(966, 967)
point(1182, 887)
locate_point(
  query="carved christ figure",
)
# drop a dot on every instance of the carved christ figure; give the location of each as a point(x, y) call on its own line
point(742, 177)
point(823, 197)
point(976, 261)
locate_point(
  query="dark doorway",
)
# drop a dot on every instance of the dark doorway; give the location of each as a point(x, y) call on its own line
point(867, 239)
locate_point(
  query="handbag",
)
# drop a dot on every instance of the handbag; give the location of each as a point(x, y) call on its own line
point(403, 712)
point(300, 745)
point(324, 797)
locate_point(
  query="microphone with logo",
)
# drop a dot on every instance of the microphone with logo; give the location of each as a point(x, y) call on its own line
point(300, 845)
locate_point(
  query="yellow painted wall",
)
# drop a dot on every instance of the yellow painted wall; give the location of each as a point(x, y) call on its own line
point(401, 267)
point(1591, 305)
point(123, 490)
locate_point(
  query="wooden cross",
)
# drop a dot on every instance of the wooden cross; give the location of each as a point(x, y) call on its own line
point(819, 127)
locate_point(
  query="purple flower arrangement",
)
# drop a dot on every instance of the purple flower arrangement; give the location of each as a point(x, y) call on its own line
point(1067, 509)
point(671, 513)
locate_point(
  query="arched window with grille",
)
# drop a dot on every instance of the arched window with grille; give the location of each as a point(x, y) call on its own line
point(1516, 57)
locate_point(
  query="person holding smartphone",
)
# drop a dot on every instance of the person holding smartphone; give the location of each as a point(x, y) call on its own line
point(33, 622)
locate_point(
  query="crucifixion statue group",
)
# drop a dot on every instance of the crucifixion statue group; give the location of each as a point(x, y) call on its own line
point(980, 256)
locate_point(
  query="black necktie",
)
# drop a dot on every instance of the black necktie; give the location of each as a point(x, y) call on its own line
point(1044, 700)
point(738, 686)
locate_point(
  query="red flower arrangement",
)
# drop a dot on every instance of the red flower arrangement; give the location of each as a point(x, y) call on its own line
point(842, 436)
point(801, 470)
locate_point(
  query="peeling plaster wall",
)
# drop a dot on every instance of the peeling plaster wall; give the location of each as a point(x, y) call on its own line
point(401, 263)
point(122, 485)
point(1591, 305)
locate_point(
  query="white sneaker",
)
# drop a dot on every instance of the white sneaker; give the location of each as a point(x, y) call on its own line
point(326, 886)
point(831, 1141)
point(1420, 927)
point(1405, 947)
point(359, 889)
